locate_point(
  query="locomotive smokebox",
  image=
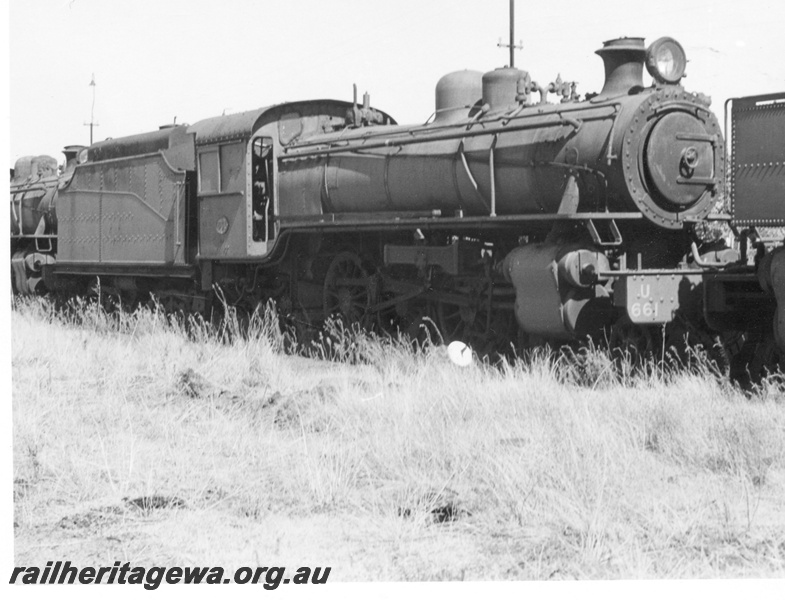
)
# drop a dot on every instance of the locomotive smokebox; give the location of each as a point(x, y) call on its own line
point(623, 58)
point(502, 88)
point(456, 94)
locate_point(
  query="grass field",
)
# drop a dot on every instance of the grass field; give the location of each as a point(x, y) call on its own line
point(136, 441)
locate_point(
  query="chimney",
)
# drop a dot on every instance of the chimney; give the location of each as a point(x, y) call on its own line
point(71, 156)
point(623, 58)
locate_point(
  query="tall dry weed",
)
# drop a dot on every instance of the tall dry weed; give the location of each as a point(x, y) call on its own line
point(546, 465)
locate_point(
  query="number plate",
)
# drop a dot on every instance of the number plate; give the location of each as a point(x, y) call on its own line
point(654, 298)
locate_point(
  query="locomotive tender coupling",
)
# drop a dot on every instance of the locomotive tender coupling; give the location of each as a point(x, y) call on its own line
point(520, 212)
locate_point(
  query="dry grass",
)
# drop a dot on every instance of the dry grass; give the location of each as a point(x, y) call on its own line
point(400, 466)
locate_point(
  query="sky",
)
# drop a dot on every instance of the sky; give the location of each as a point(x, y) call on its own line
point(155, 61)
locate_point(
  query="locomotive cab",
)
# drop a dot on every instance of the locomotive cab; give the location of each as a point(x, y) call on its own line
point(236, 193)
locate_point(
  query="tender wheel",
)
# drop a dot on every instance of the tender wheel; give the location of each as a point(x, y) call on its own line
point(347, 289)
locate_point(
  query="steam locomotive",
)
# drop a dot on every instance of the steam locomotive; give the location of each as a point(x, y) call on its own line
point(504, 219)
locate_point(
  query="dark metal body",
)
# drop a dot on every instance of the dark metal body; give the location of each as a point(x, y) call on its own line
point(505, 217)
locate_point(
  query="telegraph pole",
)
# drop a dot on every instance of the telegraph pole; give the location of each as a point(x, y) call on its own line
point(511, 45)
point(92, 122)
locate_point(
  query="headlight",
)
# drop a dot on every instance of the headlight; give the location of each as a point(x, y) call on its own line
point(665, 60)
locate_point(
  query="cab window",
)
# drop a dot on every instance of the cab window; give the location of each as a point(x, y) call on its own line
point(221, 168)
point(208, 171)
point(232, 157)
point(290, 126)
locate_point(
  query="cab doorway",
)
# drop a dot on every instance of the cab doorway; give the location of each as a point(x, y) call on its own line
point(263, 227)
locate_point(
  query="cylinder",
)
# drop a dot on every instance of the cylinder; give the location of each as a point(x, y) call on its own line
point(555, 296)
